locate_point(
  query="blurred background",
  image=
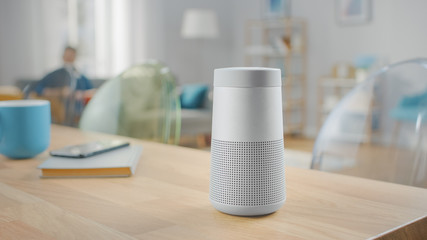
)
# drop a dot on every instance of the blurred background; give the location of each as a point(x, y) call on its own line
point(313, 42)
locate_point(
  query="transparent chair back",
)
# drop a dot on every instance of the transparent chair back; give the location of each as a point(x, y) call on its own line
point(141, 102)
point(378, 130)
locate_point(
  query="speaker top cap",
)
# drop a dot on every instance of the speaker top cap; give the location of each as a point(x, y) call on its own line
point(247, 77)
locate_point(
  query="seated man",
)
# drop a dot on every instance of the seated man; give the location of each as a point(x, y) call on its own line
point(66, 88)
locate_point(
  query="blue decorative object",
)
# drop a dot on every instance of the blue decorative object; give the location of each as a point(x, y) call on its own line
point(193, 95)
point(277, 8)
point(364, 61)
point(410, 107)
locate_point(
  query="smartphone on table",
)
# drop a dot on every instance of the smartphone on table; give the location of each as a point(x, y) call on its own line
point(89, 149)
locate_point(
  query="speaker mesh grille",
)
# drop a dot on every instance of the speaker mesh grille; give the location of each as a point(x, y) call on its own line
point(247, 173)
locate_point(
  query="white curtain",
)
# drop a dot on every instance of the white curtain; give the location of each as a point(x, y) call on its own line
point(111, 35)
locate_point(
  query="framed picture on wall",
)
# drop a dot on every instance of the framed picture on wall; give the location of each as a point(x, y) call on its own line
point(276, 8)
point(352, 12)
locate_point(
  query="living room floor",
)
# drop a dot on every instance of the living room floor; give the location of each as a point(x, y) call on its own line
point(292, 142)
point(299, 143)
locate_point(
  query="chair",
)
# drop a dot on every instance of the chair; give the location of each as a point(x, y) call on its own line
point(378, 129)
point(141, 102)
point(59, 88)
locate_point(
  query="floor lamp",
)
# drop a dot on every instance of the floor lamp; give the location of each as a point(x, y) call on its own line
point(200, 24)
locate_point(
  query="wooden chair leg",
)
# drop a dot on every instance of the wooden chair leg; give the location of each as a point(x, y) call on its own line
point(201, 141)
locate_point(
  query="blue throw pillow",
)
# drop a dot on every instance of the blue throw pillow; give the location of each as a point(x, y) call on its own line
point(192, 96)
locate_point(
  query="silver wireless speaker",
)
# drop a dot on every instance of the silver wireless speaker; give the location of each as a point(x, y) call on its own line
point(247, 155)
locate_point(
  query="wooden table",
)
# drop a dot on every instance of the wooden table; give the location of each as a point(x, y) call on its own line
point(167, 198)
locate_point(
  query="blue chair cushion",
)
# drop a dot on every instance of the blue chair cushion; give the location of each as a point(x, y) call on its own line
point(414, 101)
point(406, 114)
point(409, 107)
point(193, 95)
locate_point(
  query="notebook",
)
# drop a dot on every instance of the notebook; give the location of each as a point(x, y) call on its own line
point(118, 163)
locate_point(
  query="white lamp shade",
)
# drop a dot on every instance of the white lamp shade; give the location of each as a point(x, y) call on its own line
point(199, 23)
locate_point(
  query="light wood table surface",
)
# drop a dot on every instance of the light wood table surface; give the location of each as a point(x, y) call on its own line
point(167, 198)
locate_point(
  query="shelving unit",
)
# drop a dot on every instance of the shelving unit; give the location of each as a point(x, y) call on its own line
point(330, 91)
point(281, 43)
point(364, 107)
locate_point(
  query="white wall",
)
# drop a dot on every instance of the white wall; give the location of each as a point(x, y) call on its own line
point(397, 32)
point(194, 60)
point(147, 30)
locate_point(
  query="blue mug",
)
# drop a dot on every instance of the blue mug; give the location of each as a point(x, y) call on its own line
point(24, 128)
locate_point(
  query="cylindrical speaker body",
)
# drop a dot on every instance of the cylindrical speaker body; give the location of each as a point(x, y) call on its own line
point(247, 154)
